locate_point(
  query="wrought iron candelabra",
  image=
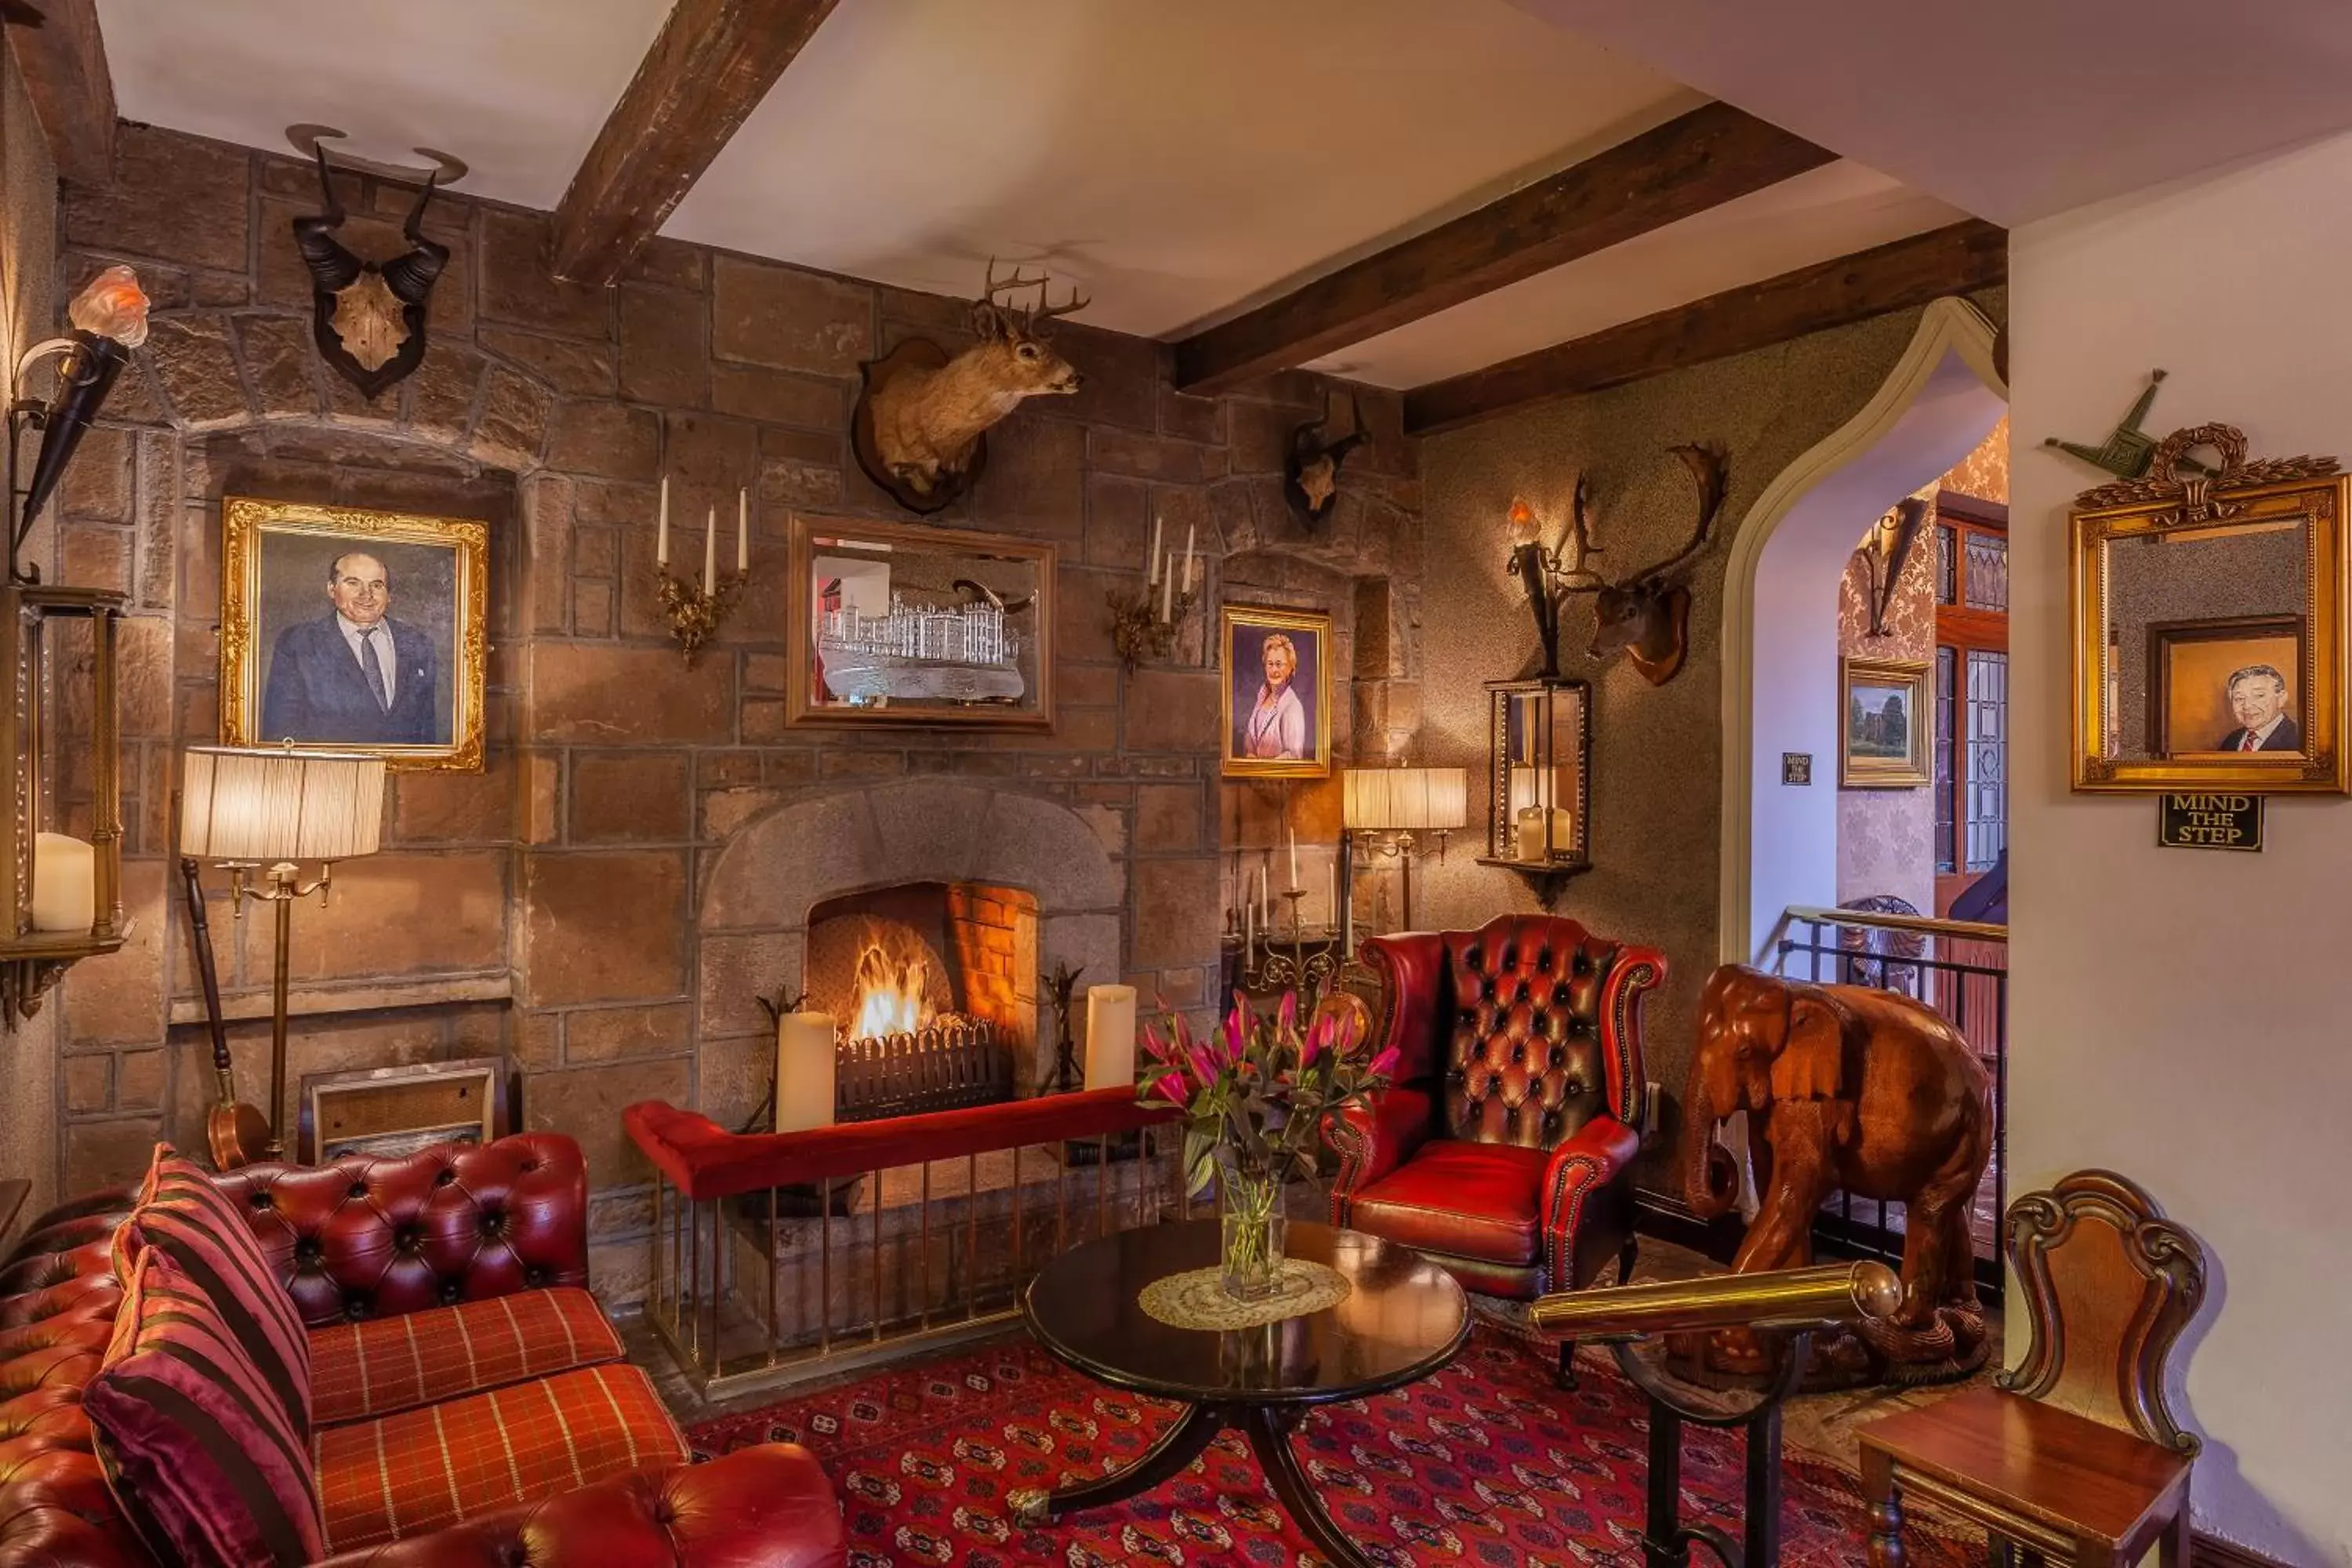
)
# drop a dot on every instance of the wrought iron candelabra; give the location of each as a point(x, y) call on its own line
point(696, 613)
point(1296, 960)
point(1139, 631)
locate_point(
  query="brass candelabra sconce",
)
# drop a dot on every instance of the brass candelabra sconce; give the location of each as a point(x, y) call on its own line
point(1144, 623)
point(696, 612)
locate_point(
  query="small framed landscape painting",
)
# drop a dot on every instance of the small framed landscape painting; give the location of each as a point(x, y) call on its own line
point(357, 630)
point(1884, 739)
point(1276, 685)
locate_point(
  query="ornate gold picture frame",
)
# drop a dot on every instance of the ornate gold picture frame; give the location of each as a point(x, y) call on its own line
point(358, 629)
point(1884, 721)
point(2208, 613)
point(1277, 719)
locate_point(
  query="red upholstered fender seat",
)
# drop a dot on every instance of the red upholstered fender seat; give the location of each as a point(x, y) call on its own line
point(1503, 1150)
point(469, 1401)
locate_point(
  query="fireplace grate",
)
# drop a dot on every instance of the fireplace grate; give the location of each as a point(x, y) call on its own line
point(956, 1060)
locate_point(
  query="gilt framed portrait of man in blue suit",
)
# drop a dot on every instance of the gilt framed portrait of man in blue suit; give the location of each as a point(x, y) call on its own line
point(354, 629)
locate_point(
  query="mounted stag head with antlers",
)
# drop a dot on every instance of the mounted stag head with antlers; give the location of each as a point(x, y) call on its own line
point(1644, 614)
point(919, 426)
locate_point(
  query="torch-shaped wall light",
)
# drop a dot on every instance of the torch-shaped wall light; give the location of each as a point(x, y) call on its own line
point(109, 319)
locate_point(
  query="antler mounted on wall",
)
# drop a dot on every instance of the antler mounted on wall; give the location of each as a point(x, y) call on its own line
point(369, 316)
point(1310, 471)
point(1645, 614)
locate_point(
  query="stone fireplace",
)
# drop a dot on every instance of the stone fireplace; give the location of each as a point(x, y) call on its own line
point(935, 986)
point(922, 898)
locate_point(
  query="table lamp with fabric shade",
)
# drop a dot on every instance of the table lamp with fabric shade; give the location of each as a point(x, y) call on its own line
point(1389, 808)
point(270, 812)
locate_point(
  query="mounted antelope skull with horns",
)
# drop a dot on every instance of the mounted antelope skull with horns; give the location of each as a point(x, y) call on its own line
point(1311, 475)
point(369, 316)
point(919, 425)
point(1647, 613)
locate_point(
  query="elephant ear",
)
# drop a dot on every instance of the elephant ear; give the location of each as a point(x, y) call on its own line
point(1811, 1064)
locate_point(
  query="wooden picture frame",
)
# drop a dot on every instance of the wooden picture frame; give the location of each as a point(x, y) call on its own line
point(2252, 559)
point(917, 625)
point(1884, 724)
point(396, 1111)
point(1288, 736)
point(291, 649)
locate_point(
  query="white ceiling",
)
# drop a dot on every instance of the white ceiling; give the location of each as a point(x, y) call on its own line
point(1179, 162)
point(2012, 108)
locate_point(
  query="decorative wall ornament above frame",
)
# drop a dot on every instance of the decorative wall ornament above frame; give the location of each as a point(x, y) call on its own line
point(369, 316)
point(2208, 623)
point(309, 593)
point(920, 427)
point(900, 624)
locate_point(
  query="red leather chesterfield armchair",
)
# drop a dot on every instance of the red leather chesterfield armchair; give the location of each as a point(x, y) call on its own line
point(1504, 1148)
point(445, 1297)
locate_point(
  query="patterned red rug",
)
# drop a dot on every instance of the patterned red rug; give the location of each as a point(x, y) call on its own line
point(1487, 1463)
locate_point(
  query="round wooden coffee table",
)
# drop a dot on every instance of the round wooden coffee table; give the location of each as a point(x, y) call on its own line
point(1403, 1319)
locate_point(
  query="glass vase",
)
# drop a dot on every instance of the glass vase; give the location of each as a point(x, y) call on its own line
point(1253, 1225)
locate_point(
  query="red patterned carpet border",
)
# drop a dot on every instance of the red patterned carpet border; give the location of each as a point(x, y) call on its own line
point(1486, 1465)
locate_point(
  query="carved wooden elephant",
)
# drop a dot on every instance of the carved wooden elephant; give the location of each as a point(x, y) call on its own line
point(1844, 1086)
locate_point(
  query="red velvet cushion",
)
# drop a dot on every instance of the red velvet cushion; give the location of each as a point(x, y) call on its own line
point(421, 1470)
point(359, 1369)
point(199, 1451)
point(183, 1216)
point(1477, 1200)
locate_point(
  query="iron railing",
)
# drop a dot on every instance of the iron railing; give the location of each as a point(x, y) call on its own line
point(778, 1257)
point(1960, 968)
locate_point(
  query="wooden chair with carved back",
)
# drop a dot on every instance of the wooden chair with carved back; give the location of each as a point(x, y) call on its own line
point(2074, 1458)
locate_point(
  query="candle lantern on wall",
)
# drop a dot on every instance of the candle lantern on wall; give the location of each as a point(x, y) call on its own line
point(1539, 751)
point(60, 893)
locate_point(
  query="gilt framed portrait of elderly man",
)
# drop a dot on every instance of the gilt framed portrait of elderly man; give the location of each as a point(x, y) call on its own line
point(354, 629)
point(1276, 682)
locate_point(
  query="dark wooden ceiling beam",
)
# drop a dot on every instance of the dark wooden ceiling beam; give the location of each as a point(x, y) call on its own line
point(62, 58)
point(709, 67)
point(1894, 276)
point(1690, 164)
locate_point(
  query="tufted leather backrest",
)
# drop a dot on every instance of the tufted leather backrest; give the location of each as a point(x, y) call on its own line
point(1523, 1029)
point(371, 1237)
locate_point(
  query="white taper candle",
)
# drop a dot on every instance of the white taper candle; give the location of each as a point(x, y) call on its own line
point(710, 549)
point(661, 539)
point(742, 531)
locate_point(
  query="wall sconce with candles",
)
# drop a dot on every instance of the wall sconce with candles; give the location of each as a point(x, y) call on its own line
point(1539, 769)
point(1144, 625)
point(695, 613)
point(60, 897)
point(1392, 812)
point(269, 812)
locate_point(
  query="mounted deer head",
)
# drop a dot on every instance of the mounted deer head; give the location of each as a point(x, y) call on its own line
point(369, 316)
point(919, 425)
point(1647, 613)
point(1310, 474)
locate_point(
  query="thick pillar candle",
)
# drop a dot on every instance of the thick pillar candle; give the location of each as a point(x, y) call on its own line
point(65, 882)
point(805, 1064)
point(1110, 1037)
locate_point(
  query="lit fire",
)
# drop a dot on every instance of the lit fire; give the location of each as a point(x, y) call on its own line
point(891, 998)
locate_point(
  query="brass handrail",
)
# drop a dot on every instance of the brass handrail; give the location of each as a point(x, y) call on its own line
point(1776, 1299)
point(1973, 930)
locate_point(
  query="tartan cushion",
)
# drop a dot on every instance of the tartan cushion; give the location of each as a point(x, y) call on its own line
point(404, 1475)
point(196, 1447)
point(181, 1214)
point(386, 1364)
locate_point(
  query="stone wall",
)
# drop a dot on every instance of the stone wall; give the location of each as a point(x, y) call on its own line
point(555, 904)
point(1657, 756)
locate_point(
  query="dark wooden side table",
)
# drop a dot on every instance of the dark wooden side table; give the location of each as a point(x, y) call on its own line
point(1403, 1319)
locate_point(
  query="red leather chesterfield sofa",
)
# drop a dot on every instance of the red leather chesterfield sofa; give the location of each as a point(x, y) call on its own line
point(1504, 1147)
point(448, 1316)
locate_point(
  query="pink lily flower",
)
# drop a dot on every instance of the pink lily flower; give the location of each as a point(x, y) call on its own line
point(1236, 1034)
point(1172, 1090)
point(1385, 1064)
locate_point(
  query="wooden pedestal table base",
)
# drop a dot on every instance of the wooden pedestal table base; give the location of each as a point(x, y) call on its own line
point(1259, 1381)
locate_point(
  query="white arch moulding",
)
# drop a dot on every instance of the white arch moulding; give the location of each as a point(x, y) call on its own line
point(1934, 406)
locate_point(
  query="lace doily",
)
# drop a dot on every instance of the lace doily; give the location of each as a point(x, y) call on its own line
point(1197, 1299)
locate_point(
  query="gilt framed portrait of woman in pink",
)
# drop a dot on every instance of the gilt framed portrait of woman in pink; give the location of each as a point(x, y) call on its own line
point(1277, 693)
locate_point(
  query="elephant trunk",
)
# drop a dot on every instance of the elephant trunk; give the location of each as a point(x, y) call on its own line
point(1710, 1176)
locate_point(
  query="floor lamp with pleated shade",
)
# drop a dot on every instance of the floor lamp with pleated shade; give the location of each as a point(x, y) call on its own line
point(1391, 810)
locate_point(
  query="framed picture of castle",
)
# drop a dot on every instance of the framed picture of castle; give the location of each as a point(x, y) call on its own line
point(1883, 727)
point(899, 623)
